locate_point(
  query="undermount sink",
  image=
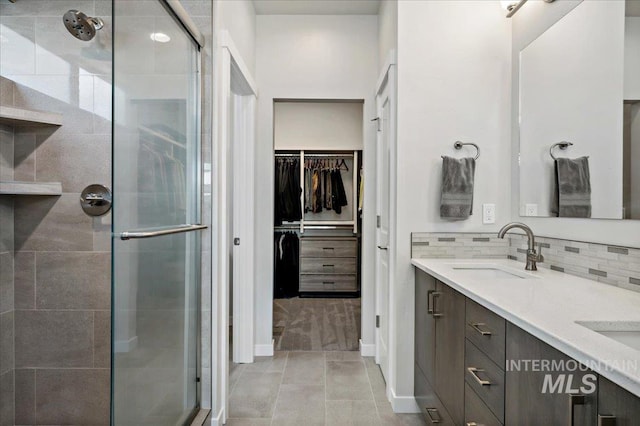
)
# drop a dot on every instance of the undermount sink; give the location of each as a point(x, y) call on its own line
point(490, 271)
point(625, 332)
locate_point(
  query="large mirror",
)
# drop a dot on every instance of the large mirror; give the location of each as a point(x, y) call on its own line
point(579, 115)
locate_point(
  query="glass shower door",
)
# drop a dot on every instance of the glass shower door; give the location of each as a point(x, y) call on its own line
point(156, 247)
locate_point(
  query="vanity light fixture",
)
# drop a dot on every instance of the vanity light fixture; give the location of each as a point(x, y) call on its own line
point(512, 6)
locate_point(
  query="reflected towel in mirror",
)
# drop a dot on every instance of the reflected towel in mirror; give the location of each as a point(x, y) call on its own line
point(572, 196)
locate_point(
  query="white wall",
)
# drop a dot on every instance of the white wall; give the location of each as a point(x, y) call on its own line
point(454, 68)
point(312, 57)
point(571, 89)
point(238, 17)
point(387, 29)
point(318, 125)
point(532, 20)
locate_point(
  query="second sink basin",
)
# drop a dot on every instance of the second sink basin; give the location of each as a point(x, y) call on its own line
point(625, 332)
point(484, 271)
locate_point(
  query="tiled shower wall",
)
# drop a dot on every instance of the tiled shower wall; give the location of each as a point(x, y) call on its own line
point(619, 266)
point(7, 314)
point(62, 280)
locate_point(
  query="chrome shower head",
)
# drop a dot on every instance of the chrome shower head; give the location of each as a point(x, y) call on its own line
point(81, 26)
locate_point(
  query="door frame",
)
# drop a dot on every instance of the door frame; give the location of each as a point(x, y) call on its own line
point(387, 79)
point(235, 138)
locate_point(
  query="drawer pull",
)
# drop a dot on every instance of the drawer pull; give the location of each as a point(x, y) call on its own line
point(328, 282)
point(575, 399)
point(474, 424)
point(328, 248)
point(328, 266)
point(476, 326)
point(437, 419)
point(474, 372)
point(434, 297)
point(606, 420)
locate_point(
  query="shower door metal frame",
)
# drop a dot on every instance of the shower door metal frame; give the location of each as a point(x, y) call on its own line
point(179, 14)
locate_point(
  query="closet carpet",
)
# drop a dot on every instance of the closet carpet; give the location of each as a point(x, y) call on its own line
point(310, 324)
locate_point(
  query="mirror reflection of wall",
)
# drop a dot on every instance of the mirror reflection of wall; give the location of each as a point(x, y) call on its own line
point(580, 82)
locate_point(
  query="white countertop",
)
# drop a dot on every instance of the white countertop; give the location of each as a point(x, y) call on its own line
point(548, 307)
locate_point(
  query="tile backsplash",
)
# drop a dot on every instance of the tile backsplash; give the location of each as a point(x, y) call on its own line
point(458, 245)
point(613, 265)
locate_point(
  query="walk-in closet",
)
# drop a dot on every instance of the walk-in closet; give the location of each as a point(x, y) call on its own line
point(318, 190)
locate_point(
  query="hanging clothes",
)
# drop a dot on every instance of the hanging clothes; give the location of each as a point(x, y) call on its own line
point(361, 191)
point(286, 280)
point(287, 192)
point(338, 194)
point(324, 188)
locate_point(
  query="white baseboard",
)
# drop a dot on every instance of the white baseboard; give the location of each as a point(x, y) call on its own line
point(217, 420)
point(367, 349)
point(402, 404)
point(122, 346)
point(263, 350)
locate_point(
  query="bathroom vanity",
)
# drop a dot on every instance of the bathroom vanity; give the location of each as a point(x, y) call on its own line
point(497, 345)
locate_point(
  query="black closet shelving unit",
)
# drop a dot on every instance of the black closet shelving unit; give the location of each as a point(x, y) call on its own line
point(329, 243)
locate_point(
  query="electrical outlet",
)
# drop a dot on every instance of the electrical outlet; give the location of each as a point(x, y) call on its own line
point(488, 213)
point(531, 210)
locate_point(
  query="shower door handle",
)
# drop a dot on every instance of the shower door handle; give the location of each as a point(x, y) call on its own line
point(157, 232)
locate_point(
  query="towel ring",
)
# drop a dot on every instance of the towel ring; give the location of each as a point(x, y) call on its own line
point(562, 145)
point(459, 145)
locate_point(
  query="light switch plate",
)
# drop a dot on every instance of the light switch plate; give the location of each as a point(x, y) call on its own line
point(531, 210)
point(488, 213)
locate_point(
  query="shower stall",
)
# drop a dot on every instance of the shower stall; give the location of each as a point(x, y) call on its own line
point(102, 230)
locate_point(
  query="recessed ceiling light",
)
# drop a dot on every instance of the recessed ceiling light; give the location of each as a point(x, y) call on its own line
point(160, 37)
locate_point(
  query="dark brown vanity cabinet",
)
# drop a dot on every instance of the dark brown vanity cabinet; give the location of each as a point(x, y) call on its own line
point(484, 365)
point(616, 406)
point(554, 395)
point(472, 367)
point(439, 351)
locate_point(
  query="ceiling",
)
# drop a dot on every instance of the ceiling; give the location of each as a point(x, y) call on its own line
point(316, 7)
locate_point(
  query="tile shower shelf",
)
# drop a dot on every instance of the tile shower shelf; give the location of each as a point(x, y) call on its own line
point(30, 188)
point(28, 117)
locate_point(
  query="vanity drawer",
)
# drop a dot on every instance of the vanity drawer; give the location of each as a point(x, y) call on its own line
point(487, 331)
point(328, 265)
point(328, 247)
point(476, 413)
point(328, 283)
point(485, 378)
point(430, 405)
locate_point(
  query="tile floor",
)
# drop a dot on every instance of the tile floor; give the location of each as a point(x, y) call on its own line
point(311, 388)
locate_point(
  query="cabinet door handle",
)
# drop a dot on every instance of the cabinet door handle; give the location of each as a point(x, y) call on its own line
point(476, 326)
point(606, 420)
point(576, 399)
point(474, 372)
point(437, 419)
point(430, 301)
point(434, 297)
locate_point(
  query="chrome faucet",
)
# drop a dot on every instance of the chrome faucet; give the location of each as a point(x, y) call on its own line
point(533, 257)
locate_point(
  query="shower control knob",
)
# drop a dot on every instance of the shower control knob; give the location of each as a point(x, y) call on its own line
point(95, 200)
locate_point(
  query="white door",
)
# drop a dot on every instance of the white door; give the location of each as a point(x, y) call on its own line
point(383, 105)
